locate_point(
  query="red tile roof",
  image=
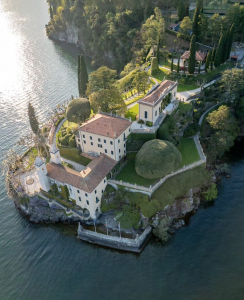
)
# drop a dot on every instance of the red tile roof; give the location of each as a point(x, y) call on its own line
point(106, 126)
point(88, 179)
point(153, 97)
point(199, 56)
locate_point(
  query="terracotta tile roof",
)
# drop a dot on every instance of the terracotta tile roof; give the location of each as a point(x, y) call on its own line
point(199, 56)
point(88, 179)
point(106, 126)
point(154, 96)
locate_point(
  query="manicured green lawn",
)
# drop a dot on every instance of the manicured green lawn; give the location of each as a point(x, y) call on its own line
point(187, 87)
point(73, 154)
point(188, 151)
point(133, 112)
point(128, 174)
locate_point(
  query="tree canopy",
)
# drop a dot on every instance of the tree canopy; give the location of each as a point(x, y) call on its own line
point(33, 119)
point(78, 110)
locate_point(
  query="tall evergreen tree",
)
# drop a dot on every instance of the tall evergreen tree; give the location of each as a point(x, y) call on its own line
point(178, 65)
point(172, 64)
point(230, 41)
point(192, 58)
point(181, 10)
point(213, 57)
point(51, 12)
point(208, 60)
point(33, 119)
point(158, 52)
point(196, 19)
point(219, 52)
point(82, 75)
point(199, 67)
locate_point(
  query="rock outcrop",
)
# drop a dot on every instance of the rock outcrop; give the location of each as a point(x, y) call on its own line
point(40, 210)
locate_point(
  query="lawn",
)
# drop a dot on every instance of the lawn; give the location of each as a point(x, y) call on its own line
point(188, 151)
point(73, 154)
point(132, 112)
point(187, 87)
point(128, 174)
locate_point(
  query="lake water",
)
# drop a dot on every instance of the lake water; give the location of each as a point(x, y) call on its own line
point(204, 260)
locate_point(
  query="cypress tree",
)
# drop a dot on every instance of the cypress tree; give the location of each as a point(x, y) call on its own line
point(33, 119)
point(192, 58)
point(158, 53)
point(199, 67)
point(231, 35)
point(219, 52)
point(195, 21)
point(212, 58)
point(82, 75)
point(172, 64)
point(178, 65)
point(208, 60)
point(51, 12)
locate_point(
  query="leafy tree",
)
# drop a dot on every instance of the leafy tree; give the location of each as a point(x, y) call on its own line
point(141, 81)
point(33, 119)
point(203, 27)
point(102, 78)
point(222, 119)
point(107, 100)
point(185, 28)
point(215, 25)
point(233, 82)
point(154, 66)
point(192, 58)
point(82, 75)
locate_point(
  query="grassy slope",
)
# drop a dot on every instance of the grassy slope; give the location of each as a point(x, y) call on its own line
point(188, 151)
point(73, 154)
point(179, 185)
point(133, 112)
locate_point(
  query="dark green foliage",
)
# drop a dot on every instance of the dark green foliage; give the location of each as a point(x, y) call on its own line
point(181, 10)
point(230, 41)
point(208, 60)
point(78, 110)
point(65, 192)
point(172, 64)
point(51, 11)
point(154, 66)
point(156, 159)
point(166, 128)
point(191, 130)
point(219, 52)
point(212, 58)
point(149, 124)
point(33, 119)
point(161, 231)
point(192, 58)
point(178, 65)
point(54, 189)
point(64, 140)
point(211, 193)
point(73, 154)
point(72, 142)
point(199, 68)
point(82, 75)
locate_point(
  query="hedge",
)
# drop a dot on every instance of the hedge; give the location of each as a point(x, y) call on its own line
point(64, 192)
point(59, 121)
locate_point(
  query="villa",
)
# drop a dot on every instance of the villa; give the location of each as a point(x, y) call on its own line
point(151, 106)
point(104, 134)
point(85, 188)
point(200, 57)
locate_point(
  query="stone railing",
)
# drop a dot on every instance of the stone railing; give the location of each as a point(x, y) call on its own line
point(134, 245)
point(113, 115)
point(150, 190)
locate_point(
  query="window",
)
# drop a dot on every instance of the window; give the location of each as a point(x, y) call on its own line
point(106, 151)
point(86, 195)
point(79, 198)
point(124, 151)
point(104, 180)
point(78, 191)
point(129, 129)
point(99, 145)
point(102, 191)
point(84, 142)
point(118, 141)
point(119, 150)
point(112, 152)
point(95, 191)
point(90, 137)
point(92, 143)
point(145, 114)
point(105, 141)
point(159, 109)
point(97, 200)
point(124, 145)
point(174, 93)
point(78, 140)
point(84, 136)
point(156, 112)
point(120, 157)
point(87, 202)
point(111, 142)
point(99, 140)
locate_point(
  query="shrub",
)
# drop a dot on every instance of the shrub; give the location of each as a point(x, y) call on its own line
point(78, 110)
point(149, 209)
point(211, 193)
point(149, 124)
point(54, 188)
point(156, 159)
point(65, 139)
point(140, 122)
point(72, 142)
point(65, 192)
point(164, 130)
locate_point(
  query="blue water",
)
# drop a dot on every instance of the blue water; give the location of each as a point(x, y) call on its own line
point(204, 260)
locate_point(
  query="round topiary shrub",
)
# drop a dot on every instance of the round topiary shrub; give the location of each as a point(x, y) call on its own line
point(156, 159)
point(78, 110)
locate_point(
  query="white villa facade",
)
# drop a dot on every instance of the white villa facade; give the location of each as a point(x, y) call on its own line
point(104, 134)
point(85, 187)
point(150, 107)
